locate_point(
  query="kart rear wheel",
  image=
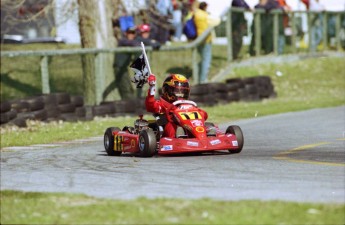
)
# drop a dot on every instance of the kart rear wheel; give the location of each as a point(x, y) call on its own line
point(147, 143)
point(236, 130)
point(109, 141)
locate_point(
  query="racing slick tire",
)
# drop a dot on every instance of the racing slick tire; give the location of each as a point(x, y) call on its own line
point(109, 141)
point(147, 143)
point(236, 130)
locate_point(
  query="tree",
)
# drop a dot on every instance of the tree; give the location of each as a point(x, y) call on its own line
point(95, 28)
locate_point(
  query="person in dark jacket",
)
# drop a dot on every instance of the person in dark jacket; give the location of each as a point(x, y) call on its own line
point(122, 60)
point(145, 37)
point(239, 26)
point(266, 26)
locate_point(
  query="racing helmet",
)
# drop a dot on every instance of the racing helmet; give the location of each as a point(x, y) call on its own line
point(175, 87)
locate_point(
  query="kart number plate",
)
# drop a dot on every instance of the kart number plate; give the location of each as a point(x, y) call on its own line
point(190, 115)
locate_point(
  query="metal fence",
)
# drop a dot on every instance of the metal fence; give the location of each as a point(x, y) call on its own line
point(61, 70)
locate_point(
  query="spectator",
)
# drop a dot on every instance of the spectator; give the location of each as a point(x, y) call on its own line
point(165, 10)
point(316, 23)
point(122, 79)
point(306, 3)
point(285, 23)
point(144, 36)
point(266, 26)
point(202, 22)
point(126, 21)
point(239, 26)
point(177, 19)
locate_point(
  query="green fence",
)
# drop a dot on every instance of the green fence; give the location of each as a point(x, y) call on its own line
point(61, 70)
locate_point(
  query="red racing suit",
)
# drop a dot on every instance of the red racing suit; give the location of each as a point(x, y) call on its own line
point(161, 106)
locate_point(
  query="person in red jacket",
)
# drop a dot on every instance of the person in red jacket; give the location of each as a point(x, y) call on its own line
point(175, 87)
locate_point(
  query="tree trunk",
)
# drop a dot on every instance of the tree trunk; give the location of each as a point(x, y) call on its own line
point(87, 15)
point(95, 29)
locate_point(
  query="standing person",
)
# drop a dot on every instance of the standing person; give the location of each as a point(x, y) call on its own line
point(285, 23)
point(144, 36)
point(177, 19)
point(122, 79)
point(266, 26)
point(239, 26)
point(165, 10)
point(316, 23)
point(202, 22)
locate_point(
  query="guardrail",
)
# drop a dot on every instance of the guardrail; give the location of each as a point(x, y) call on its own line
point(257, 14)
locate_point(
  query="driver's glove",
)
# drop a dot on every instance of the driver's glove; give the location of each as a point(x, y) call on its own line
point(152, 82)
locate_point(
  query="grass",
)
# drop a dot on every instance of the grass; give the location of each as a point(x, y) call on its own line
point(56, 208)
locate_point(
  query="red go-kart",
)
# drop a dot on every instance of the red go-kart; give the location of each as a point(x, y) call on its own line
point(193, 134)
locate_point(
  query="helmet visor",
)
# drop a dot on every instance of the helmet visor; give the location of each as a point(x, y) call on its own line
point(181, 92)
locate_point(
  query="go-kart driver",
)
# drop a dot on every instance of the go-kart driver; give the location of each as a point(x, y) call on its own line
point(175, 87)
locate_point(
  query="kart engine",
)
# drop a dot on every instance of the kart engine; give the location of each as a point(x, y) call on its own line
point(140, 124)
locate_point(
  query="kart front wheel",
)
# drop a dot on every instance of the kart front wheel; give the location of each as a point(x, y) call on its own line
point(236, 130)
point(109, 141)
point(147, 143)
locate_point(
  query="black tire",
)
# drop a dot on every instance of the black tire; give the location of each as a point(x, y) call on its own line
point(103, 110)
point(233, 96)
point(20, 106)
point(251, 89)
point(199, 89)
point(62, 98)
point(218, 87)
point(5, 106)
point(109, 141)
point(49, 100)
point(80, 111)
point(12, 114)
point(232, 86)
point(66, 108)
point(78, 101)
point(35, 115)
point(147, 143)
point(4, 118)
point(36, 103)
point(19, 122)
point(53, 112)
point(236, 130)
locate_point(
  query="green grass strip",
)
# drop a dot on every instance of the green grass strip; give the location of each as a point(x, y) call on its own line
point(39, 208)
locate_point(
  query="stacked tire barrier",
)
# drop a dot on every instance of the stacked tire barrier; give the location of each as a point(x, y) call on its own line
point(233, 90)
point(62, 106)
point(50, 107)
point(120, 108)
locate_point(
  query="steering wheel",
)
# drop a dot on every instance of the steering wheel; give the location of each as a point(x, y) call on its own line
point(174, 105)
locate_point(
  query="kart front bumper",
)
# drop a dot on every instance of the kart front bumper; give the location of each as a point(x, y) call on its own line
point(185, 145)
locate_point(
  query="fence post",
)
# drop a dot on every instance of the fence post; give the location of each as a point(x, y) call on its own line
point(229, 35)
point(45, 75)
point(310, 27)
point(337, 30)
point(294, 32)
point(324, 31)
point(195, 66)
point(275, 31)
point(257, 21)
point(99, 77)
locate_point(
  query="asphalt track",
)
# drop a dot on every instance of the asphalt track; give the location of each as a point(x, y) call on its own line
point(293, 156)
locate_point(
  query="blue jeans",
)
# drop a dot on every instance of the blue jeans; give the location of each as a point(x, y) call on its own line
point(316, 32)
point(205, 51)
